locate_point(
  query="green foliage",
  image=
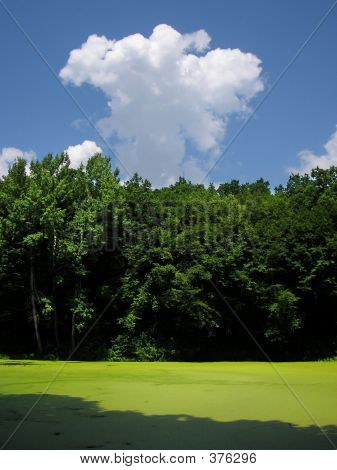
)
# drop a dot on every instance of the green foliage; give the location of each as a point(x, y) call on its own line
point(283, 319)
point(47, 307)
point(141, 348)
point(119, 350)
point(76, 242)
point(146, 349)
point(83, 312)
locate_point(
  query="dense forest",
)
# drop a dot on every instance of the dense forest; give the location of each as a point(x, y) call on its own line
point(178, 273)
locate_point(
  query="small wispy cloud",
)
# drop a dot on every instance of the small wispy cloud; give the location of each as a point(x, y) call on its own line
point(80, 123)
point(309, 160)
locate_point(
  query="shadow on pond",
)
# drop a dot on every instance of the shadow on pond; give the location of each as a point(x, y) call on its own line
point(63, 422)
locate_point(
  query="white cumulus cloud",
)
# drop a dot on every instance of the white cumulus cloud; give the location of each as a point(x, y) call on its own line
point(9, 154)
point(82, 152)
point(167, 94)
point(309, 160)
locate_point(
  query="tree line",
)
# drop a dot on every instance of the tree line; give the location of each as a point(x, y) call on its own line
point(122, 271)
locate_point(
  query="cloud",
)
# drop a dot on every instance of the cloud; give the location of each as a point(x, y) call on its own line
point(80, 123)
point(166, 93)
point(82, 152)
point(309, 160)
point(9, 154)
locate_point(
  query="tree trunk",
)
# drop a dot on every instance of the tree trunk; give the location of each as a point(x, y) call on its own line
point(78, 289)
point(73, 316)
point(73, 324)
point(33, 304)
point(56, 328)
point(56, 331)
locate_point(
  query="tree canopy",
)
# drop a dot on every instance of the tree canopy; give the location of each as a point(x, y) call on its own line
point(178, 273)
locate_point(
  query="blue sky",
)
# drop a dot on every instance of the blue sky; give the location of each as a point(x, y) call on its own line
point(300, 113)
